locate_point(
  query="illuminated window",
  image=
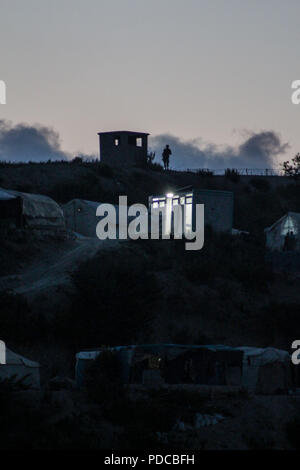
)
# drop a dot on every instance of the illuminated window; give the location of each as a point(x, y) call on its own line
point(289, 225)
point(188, 218)
point(175, 202)
point(155, 362)
point(135, 141)
point(155, 205)
point(189, 200)
point(162, 204)
point(182, 200)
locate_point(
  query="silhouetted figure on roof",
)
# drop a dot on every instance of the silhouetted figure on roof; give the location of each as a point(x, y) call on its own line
point(166, 156)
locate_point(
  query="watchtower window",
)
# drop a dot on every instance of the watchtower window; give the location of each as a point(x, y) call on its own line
point(135, 141)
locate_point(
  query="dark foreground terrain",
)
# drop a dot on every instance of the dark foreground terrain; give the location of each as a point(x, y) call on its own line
point(62, 296)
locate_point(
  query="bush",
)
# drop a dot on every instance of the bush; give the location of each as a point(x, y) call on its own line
point(103, 378)
point(155, 166)
point(103, 170)
point(114, 300)
point(17, 322)
point(293, 432)
point(232, 174)
point(280, 320)
point(205, 172)
point(260, 184)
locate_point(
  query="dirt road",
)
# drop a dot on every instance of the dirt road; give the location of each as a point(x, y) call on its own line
point(54, 267)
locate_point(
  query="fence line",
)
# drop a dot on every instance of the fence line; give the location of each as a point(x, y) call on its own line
point(240, 171)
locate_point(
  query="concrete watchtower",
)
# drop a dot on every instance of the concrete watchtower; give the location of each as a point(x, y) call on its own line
point(123, 148)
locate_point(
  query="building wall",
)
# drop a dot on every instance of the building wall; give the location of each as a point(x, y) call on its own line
point(218, 208)
point(125, 154)
point(81, 218)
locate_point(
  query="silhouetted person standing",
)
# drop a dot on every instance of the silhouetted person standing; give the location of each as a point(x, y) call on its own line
point(290, 241)
point(293, 241)
point(286, 242)
point(166, 156)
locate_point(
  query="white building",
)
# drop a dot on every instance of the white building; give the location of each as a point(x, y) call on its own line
point(218, 208)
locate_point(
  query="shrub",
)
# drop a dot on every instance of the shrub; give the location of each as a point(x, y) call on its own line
point(155, 166)
point(77, 160)
point(114, 300)
point(103, 378)
point(17, 322)
point(280, 320)
point(204, 172)
point(260, 184)
point(103, 170)
point(293, 432)
point(232, 174)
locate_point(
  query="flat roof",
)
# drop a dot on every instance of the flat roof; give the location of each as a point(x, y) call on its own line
point(124, 132)
point(181, 192)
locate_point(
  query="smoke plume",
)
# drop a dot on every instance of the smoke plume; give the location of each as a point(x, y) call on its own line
point(23, 142)
point(258, 150)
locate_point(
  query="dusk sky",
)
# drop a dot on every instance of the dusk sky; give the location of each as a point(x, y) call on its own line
point(213, 73)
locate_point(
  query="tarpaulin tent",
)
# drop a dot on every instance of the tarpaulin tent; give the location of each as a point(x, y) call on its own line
point(21, 368)
point(266, 370)
point(171, 364)
point(259, 370)
point(284, 233)
point(80, 216)
point(31, 210)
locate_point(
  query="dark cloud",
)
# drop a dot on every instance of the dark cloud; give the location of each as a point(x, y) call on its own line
point(257, 151)
point(23, 142)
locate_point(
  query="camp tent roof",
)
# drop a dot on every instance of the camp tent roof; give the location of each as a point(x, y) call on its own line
point(295, 215)
point(35, 205)
point(13, 358)
point(5, 196)
point(92, 204)
point(266, 355)
point(92, 354)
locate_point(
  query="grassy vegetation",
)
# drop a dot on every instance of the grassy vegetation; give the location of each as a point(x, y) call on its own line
point(148, 291)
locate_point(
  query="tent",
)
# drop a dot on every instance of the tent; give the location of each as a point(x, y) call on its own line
point(30, 210)
point(259, 370)
point(266, 370)
point(284, 233)
point(171, 364)
point(20, 367)
point(80, 216)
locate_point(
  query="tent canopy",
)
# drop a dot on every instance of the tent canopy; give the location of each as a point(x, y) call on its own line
point(21, 368)
point(276, 234)
point(38, 210)
point(260, 370)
